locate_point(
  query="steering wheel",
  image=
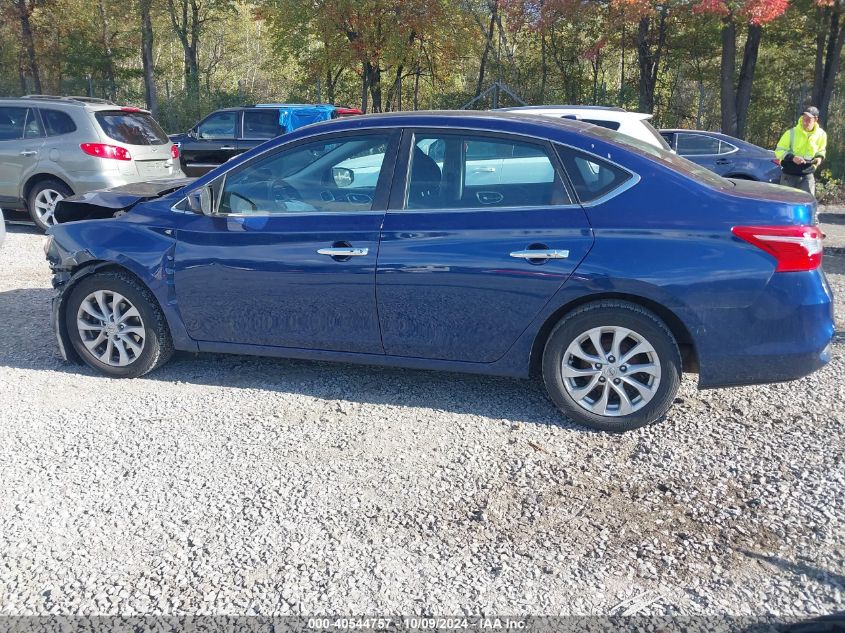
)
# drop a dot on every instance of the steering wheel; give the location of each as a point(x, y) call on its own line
point(282, 192)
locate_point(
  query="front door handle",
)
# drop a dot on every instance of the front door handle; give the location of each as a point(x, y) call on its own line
point(541, 254)
point(484, 170)
point(28, 152)
point(722, 161)
point(343, 252)
point(227, 148)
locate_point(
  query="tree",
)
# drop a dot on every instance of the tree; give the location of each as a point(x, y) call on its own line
point(189, 18)
point(147, 61)
point(736, 93)
point(24, 10)
point(829, 39)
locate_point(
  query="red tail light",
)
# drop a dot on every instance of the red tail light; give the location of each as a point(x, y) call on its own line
point(796, 248)
point(100, 150)
point(174, 151)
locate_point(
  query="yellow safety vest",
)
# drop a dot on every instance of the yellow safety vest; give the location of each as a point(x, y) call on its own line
point(798, 142)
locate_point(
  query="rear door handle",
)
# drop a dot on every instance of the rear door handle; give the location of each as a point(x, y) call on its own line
point(722, 161)
point(29, 152)
point(227, 147)
point(541, 254)
point(484, 170)
point(343, 252)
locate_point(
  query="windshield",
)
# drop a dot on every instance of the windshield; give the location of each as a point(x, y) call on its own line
point(132, 128)
point(665, 156)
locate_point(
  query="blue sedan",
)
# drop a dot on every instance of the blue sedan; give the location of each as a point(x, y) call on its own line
point(492, 243)
point(725, 155)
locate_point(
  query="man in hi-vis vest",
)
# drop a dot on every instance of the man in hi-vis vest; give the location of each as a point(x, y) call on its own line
point(801, 150)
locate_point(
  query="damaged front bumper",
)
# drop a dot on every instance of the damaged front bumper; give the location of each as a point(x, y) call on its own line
point(62, 263)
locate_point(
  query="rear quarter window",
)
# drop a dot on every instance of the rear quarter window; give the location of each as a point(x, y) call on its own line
point(132, 128)
point(591, 177)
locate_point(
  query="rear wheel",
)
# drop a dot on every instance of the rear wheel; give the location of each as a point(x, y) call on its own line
point(116, 326)
point(42, 201)
point(612, 365)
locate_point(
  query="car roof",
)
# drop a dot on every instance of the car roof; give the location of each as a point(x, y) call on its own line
point(455, 118)
point(562, 107)
point(597, 112)
point(482, 121)
point(90, 103)
point(720, 135)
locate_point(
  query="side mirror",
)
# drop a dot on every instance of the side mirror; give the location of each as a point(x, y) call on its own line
point(199, 201)
point(342, 176)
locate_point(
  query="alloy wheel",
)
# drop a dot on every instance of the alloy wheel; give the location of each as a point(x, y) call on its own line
point(45, 205)
point(111, 328)
point(611, 371)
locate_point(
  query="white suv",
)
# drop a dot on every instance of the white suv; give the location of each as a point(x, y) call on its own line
point(631, 123)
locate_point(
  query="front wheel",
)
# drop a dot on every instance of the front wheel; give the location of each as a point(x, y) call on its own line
point(116, 326)
point(612, 365)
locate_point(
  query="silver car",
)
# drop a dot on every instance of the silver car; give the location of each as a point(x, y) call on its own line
point(55, 147)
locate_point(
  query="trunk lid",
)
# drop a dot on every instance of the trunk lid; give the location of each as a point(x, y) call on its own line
point(783, 205)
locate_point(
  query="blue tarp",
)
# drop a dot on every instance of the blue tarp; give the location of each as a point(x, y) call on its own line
point(293, 116)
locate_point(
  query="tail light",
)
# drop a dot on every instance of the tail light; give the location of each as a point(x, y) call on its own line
point(795, 248)
point(101, 150)
point(174, 151)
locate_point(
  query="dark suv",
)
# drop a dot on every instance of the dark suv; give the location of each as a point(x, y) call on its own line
point(226, 133)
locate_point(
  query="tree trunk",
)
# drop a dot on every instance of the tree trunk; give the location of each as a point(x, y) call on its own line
point(365, 92)
point(746, 76)
point(649, 61)
point(417, 88)
point(645, 61)
point(726, 76)
point(373, 73)
point(150, 95)
point(24, 12)
point(829, 48)
point(488, 44)
point(106, 40)
point(821, 41)
point(187, 29)
point(544, 67)
point(22, 74)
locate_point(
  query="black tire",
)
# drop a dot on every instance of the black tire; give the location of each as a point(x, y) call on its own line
point(157, 345)
point(40, 187)
point(642, 323)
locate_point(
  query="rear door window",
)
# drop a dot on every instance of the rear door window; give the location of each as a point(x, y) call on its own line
point(591, 177)
point(132, 128)
point(57, 123)
point(261, 124)
point(458, 171)
point(697, 145)
point(12, 123)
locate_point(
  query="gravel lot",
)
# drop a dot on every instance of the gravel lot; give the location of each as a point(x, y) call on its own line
point(236, 485)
